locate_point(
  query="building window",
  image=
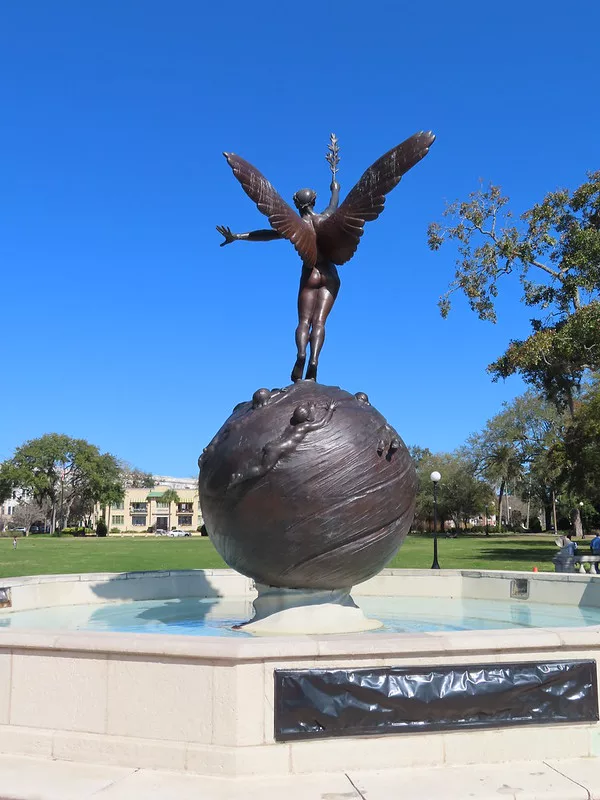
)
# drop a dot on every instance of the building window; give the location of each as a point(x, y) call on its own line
point(137, 508)
point(185, 508)
point(185, 520)
point(118, 519)
point(162, 504)
point(139, 522)
point(118, 506)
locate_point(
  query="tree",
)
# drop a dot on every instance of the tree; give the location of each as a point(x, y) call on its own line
point(513, 450)
point(168, 496)
point(461, 494)
point(27, 512)
point(134, 478)
point(577, 455)
point(62, 471)
point(555, 252)
point(510, 450)
point(6, 487)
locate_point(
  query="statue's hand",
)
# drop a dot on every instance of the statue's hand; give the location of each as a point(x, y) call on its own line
point(226, 232)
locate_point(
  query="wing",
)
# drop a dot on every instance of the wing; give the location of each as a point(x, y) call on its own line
point(338, 236)
point(281, 217)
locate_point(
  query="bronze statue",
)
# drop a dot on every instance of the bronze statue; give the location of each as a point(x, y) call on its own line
point(323, 240)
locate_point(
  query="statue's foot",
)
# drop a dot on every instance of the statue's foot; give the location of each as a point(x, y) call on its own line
point(311, 372)
point(298, 369)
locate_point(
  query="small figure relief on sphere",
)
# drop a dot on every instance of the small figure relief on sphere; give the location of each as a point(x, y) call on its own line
point(388, 442)
point(303, 421)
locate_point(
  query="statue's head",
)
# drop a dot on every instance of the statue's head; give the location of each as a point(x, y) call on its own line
point(260, 398)
point(305, 198)
point(301, 414)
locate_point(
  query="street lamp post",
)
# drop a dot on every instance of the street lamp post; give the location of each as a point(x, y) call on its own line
point(581, 504)
point(435, 478)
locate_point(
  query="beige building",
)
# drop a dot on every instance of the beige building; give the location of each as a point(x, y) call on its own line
point(141, 509)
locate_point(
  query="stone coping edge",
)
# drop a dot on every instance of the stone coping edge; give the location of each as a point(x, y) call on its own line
point(365, 646)
point(230, 573)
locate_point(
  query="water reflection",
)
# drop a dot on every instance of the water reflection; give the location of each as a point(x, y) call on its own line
point(215, 616)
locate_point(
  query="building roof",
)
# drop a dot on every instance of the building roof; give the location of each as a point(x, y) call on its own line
point(175, 483)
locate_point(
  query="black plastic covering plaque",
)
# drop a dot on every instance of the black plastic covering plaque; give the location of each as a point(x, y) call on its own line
point(355, 702)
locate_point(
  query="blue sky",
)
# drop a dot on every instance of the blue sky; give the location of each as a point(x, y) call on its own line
point(126, 324)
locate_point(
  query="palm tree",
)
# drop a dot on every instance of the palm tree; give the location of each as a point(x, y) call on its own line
point(503, 466)
point(170, 496)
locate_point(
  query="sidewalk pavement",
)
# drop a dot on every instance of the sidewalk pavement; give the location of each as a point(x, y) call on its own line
point(24, 778)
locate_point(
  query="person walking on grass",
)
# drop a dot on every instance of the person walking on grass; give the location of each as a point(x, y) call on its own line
point(14, 542)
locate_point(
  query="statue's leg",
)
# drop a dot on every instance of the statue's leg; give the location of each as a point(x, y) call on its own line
point(307, 298)
point(325, 301)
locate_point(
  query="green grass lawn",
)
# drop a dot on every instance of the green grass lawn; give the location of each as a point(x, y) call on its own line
point(39, 555)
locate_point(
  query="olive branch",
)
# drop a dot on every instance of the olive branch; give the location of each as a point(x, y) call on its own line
point(333, 154)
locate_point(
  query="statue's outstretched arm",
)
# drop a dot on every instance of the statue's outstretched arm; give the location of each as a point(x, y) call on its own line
point(335, 198)
point(315, 425)
point(266, 235)
point(340, 234)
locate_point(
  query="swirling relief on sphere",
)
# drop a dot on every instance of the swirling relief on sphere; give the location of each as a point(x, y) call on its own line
point(325, 507)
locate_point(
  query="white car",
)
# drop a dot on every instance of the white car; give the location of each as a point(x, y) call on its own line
point(178, 533)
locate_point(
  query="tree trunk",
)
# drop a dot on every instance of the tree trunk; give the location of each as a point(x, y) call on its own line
point(570, 402)
point(500, 496)
point(53, 526)
point(554, 511)
point(577, 523)
point(67, 514)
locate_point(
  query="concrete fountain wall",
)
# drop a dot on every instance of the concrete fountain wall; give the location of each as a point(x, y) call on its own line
point(205, 704)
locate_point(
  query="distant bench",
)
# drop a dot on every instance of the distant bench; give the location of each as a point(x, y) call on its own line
point(563, 562)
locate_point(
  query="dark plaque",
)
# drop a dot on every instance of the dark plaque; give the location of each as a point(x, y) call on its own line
point(352, 702)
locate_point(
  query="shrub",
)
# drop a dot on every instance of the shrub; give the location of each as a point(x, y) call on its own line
point(114, 530)
point(101, 529)
point(73, 531)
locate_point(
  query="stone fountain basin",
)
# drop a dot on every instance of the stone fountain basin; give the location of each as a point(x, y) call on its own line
point(206, 704)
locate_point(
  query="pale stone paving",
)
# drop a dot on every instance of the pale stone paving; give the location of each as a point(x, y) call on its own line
point(23, 778)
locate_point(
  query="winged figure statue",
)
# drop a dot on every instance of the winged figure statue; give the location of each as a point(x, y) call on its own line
point(323, 240)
